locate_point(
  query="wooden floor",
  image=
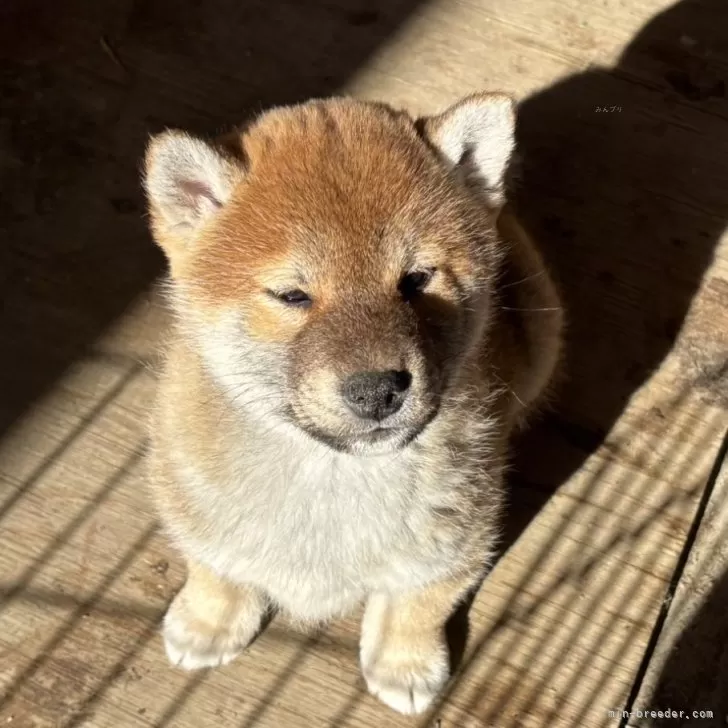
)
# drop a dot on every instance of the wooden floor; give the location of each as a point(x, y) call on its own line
point(607, 596)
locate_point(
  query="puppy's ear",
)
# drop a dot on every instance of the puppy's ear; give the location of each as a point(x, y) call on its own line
point(477, 137)
point(187, 182)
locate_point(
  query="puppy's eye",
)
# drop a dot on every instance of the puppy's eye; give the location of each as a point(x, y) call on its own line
point(414, 283)
point(295, 297)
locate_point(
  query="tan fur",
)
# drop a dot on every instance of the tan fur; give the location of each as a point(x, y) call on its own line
point(272, 489)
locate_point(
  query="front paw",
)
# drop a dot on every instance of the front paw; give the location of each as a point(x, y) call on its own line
point(196, 638)
point(407, 677)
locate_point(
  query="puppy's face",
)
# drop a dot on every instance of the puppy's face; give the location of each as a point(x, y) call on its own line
point(333, 263)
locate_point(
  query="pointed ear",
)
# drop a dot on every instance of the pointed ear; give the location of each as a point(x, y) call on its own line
point(187, 181)
point(477, 137)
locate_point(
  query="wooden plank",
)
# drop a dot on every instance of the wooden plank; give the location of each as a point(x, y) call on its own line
point(631, 207)
point(685, 672)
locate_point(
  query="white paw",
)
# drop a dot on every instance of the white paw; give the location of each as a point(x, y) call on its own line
point(193, 650)
point(193, 643)
point(407, 682)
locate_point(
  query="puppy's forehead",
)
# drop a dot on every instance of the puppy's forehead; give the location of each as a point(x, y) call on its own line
point(344, 163)
point(344, 127)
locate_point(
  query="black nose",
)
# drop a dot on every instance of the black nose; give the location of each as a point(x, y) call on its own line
point(376, 395)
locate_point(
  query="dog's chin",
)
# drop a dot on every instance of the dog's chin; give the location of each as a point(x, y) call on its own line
point(381, 441)
point(377, 441)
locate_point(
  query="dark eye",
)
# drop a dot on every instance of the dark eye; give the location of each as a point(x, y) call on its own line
point(296, 297)
point(414, 283)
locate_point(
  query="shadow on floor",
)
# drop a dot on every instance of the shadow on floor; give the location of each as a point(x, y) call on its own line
point(696, 673)
point(625, 184)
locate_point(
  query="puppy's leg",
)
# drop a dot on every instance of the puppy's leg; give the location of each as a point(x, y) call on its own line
point(404, 653)
point(211, 621)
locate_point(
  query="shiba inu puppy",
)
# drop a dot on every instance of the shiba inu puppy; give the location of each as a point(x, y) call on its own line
point(360, 324)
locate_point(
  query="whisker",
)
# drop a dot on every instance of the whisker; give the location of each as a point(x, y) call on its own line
point(510, 389)
point(523, 280)
point(552, 308)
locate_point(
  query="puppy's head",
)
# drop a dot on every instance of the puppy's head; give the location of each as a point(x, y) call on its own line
point(333, 262)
